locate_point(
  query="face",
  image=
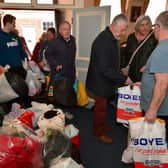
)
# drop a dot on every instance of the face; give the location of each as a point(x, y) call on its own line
point(156, 30)
point(120, 30)
point(50, 35)
point(12, 25)
point(65, 30)
point(144, 27)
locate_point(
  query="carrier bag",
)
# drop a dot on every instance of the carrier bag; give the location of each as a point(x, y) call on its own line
point(149, 147)
point(82, 97)
point(128, 105)
point(61, 91)
point(12, 86)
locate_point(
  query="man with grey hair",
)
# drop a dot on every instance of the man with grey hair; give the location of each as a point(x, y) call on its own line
point(143, 39)
point(104, 75)
point(154, 100)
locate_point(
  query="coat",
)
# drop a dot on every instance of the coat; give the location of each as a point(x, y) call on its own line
point(61, 52)
point(103, 74)
point(141, 56)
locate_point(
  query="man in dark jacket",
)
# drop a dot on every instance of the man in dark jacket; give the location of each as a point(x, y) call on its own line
point(61, 51)
point(104, 73)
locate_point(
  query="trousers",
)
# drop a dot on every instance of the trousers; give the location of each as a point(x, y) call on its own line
point(100, 113)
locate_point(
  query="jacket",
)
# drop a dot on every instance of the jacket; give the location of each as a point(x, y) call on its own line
point(62, 52)
point(103, 74)
point(141, 56)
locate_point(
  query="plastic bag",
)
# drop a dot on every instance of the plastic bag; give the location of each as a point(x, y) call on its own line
point(7, 93)
point(65, 163)
point(82, 97)
point(61, 92)
point(19, 146)
point(149, 148)
point(31, 65)
point(73, 133)
point(128, 105)
point(52, 119)
point(33, 83)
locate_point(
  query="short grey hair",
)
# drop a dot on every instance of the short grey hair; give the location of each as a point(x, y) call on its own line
point(140, 19)
point(120, 18)
point(163, 19)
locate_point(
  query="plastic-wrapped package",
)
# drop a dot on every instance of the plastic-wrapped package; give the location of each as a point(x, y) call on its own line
point(19, 146)
point(57, 146)
point(53, 119)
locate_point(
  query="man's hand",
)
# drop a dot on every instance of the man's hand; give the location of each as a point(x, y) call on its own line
point(129, 82)
point(58, 68)
point(150, 116)
point(2, 70)
point(124, 71)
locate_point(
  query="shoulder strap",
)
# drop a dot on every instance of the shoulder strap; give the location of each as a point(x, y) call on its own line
point(137, 49)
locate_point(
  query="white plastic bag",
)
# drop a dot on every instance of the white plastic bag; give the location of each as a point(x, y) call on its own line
point(128, 105)
point(6, 91)
point(31, 65)
point(65, 163)
point(33, 83)
point(149, 148)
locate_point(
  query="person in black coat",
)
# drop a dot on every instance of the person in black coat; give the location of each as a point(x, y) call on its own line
point(143, 33)
point(61, 51)
point(104, 74)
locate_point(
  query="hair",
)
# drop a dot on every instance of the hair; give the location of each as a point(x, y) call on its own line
point(64, 22)
point(8, 19)
point(140, 19)
point(52, 30)
point(162, 19)
point(43, 36)
point(118, 19)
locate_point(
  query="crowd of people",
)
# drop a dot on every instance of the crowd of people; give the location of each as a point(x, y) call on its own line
point(142, 62)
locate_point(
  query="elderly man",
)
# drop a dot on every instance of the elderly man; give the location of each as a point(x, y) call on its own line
point(61, 51)
point(104, 73)
point(155, 78)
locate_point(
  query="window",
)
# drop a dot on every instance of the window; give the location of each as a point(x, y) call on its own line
point(17, 1)
point(46, 25)
point(154, 9)
point(115, 7)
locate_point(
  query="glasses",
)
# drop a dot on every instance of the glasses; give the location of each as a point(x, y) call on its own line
point(154, 25)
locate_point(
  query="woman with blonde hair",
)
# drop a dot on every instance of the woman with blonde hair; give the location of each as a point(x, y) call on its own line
point(35, 54)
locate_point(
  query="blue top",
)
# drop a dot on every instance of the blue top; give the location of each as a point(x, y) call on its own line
point(11, 50)
point(157, 63)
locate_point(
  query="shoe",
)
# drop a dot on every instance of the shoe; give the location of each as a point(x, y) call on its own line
point(104, 138)
point(107, 128)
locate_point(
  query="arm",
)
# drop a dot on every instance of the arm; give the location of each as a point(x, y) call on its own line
point(159, 93)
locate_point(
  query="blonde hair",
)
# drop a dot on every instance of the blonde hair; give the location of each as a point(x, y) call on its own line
point(139, 21)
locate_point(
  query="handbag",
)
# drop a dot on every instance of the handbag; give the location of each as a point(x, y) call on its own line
point(128, 105)
point(61, 92)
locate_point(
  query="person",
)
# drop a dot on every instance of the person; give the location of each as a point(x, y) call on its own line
point(61, 51)
point(12, 52)
point(104, 74)
point(51, 33)
point(36, 49)
point(26, 49)
point(154, 98)
point(143, 29)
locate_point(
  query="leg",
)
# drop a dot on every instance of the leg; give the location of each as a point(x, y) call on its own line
point(100, 112)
